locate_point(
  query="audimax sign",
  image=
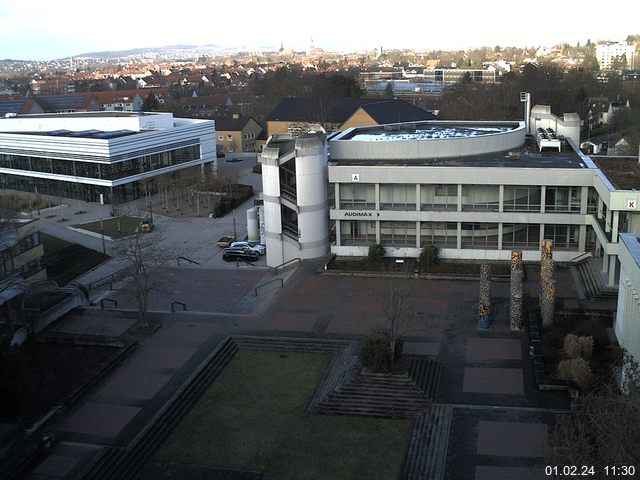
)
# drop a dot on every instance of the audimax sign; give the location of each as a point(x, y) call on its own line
point(362, 214)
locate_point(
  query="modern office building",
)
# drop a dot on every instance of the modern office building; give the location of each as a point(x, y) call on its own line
point(477, 190)
point(100, 156)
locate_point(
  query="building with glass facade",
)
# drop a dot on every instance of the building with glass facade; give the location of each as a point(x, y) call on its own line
point(100, 156)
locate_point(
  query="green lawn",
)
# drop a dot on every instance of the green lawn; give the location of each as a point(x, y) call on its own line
point(253, 418)
point(116, 227)
point(66, 261)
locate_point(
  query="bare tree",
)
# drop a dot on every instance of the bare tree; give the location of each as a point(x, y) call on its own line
point(142, 254)
point(398, 319)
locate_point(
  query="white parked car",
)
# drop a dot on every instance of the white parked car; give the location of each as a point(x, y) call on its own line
point(256, 247)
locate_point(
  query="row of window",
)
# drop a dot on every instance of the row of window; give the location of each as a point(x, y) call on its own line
point(445, 234)
point(105, 171)
point(474, 197)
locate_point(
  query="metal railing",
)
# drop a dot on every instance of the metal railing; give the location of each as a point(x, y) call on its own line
point(107, 279)
point(268, 283)
point(286, 265)
point(186, 259)
point(580, 257)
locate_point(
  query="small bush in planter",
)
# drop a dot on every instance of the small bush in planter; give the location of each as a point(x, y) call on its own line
point(375, 257)
point(429, 256)
point(376, 353)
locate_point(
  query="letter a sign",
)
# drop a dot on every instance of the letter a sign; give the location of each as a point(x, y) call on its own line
point(632, 204)
point(355, 177)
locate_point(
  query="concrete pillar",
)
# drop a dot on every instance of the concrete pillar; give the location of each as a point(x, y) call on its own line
point(584, 200)
point(459, 236)
point(418, 201)
point(615, 223)
point(338, 239)
point(598, 246)
point(418, 235)
point(501, 198)
point(500, 236)
point(607, 222)
point(548, 302)
point(378, 237)
point(605, 263)
point(543, 198)
point(484, 304)
point(459, 197)
point(600, 208)
point(582, 238)
point(337, 195)
point(612, 270)
point(377, 196)
point(541, 235)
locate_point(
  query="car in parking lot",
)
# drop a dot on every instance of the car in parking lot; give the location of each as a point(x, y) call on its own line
point(258, 247)
point(239, 253)
point(224, 242)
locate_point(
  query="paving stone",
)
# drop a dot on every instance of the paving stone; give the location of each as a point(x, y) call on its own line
point(58, 465)
point(127, 384)
point(493, 380)
point(508, 473)
point(298, 322)
point(512, 439)
point(102, 419)
point(482, 349)
point(151, 358)
point(421, 348)
point(187, 332)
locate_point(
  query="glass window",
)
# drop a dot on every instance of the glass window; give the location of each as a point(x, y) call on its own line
point(479, 235)
point(521, 198)
point(398, 234)
point(520, 235)
point(480, 197)
point(562, 199)
point(397, 196)
point(357, 195)
point(443, 234)
point(357, 233)
point(439, 197)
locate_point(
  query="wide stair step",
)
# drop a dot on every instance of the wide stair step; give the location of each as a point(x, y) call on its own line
point(426, 456)
point(593, 281)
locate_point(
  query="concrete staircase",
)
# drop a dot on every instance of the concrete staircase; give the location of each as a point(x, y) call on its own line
point(426, 456)
point(594, 286)
point(349, 391)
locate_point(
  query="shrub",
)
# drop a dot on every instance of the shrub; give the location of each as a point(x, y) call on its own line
point(375, 257)
point(376, 353)
point(586, 346)
point(576, 370)
point(572, 348)
point(429, 256)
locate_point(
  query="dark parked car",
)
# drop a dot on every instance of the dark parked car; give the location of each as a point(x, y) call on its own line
point(245, 254)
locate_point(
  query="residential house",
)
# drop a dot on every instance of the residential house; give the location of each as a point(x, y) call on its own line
point(300, 115)
point(236, 134)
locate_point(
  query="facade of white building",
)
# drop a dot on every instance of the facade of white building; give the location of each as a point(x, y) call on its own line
point(627, 324)
point(100, 156)
point(477, 190)
point(608, 52)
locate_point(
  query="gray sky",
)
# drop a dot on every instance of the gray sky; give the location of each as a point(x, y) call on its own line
point(45, 29)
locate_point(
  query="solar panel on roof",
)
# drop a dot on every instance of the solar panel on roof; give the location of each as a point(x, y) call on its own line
point(83, 133)
point(113, 134)
point(60, 133)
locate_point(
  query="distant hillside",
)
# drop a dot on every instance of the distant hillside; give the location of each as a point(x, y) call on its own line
point(147, 50)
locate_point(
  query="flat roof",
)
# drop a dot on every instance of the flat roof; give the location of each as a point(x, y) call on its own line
point(526, 156)
point(424, 131)
point(622, 172)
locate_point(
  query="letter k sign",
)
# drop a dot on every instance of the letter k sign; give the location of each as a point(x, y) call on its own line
point(632, 204)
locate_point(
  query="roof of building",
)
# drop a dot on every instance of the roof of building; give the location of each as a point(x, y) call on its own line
point(56, 103)
point(623, 173)
point(230, 124)
point(14, 105)
point(338, 110)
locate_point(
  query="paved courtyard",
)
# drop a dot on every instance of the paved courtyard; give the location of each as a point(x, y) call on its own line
point(501, 421)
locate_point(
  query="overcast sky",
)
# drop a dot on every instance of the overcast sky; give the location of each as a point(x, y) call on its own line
point(45, 29)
